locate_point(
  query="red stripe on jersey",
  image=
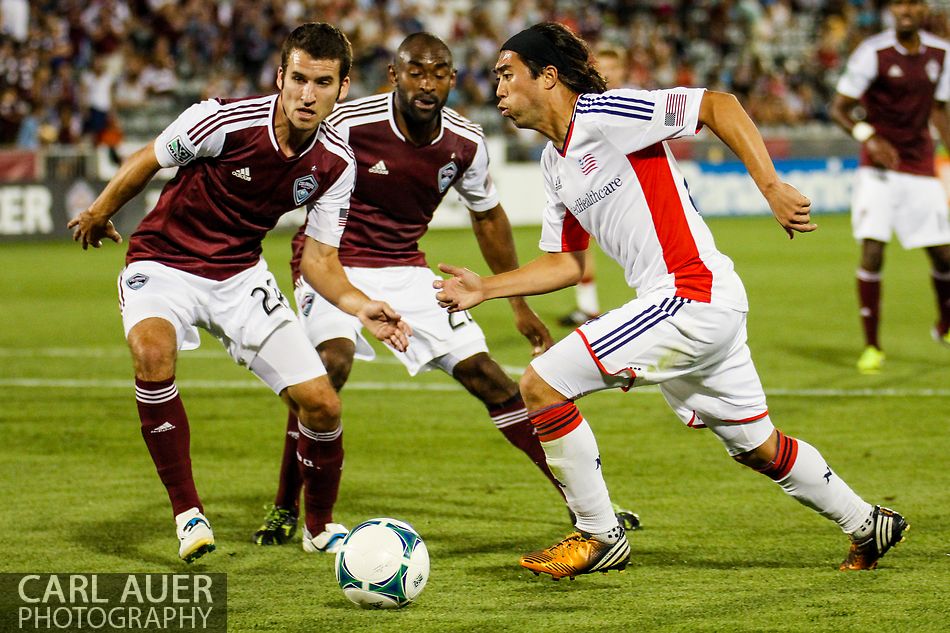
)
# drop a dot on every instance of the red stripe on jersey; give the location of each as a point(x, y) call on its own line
point(691, 277)
point(555, 421)
point(573, 235)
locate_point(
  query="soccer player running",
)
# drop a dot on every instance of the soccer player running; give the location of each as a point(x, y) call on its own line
point(609, 175)
point(195, 260)
point(410, 150)
point(901, 78)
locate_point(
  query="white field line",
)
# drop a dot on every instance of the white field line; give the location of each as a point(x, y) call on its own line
point(121, 352)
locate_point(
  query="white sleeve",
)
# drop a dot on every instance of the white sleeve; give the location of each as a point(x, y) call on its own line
point(326, 216)
point(859, 72)
point(560, 232)
point(185, 139)
point(634, 119)
point(942, 93)
point(475, 188)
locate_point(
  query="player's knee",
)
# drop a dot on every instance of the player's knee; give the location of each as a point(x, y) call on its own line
point(940, 258)
point(320, 415)
point(153, 344)
point(761, 456)
point(484, 378)
point(337, 357)
point(535, 391)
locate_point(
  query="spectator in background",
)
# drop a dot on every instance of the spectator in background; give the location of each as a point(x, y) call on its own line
point(96, 98)
point(100, 123)
point(131, 90)
point(675, 42)
point(12, 112)
point(15, 19)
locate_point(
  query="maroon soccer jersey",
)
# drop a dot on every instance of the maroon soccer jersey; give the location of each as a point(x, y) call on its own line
point(399, 185)
point(232, 185)
point(898, 91)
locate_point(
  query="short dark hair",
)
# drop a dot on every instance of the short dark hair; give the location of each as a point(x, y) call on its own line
point(423, 40)
point(579, 73)
point(321, 41)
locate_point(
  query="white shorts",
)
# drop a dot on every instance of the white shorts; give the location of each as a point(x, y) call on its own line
point(886, 202)
point(439, 339)
point(243, 312)
point(695, 352)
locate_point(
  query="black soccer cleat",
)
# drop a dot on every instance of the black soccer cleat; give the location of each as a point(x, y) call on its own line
point(627, 519)
point(279, 526)
point(888, 531)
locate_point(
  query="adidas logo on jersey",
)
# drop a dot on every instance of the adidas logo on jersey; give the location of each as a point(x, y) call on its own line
point(165, 426)
point(379, 169)
point(244, 173)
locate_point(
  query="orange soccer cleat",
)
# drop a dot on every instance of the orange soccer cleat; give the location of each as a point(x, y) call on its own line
point(888, 531)
point(578, 554)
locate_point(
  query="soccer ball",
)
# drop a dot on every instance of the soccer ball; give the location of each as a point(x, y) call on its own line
point(382, 564)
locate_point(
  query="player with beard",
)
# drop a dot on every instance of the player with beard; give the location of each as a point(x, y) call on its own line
point(410, 150)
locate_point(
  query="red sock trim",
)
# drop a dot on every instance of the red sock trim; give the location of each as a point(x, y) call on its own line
point(784, 458)
point(555, 421)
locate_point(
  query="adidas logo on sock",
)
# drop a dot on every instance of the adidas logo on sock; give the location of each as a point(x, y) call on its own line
point(379, 169)
point(165, 426)
point(244, 173)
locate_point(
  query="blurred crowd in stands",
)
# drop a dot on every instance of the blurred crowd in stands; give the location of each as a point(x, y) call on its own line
point(89, 71)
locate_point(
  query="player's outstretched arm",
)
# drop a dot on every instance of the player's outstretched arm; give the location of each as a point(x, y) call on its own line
point(465, 289)
point(94, 224)
point(722, 113)
point(320, 266)
point(493, 233)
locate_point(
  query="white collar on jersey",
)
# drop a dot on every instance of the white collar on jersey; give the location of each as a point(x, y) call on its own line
point(392, 121)
point(273, 137)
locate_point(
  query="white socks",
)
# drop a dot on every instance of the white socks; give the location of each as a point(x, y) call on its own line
point(575, 461)
point(815, 485)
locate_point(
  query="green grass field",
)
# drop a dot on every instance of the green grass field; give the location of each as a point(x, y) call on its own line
point(722, 549)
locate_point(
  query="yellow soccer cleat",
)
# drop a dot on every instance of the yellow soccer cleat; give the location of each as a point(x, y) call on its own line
point(871, 360)
point(195, 538)
point(943, 339)
point(578, 554)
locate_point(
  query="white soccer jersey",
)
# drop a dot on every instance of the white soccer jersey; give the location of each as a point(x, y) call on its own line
point(616, 180)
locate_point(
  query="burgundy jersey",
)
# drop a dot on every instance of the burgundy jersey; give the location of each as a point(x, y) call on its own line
point(898, 91)
point(399, 185)
point(232, 185)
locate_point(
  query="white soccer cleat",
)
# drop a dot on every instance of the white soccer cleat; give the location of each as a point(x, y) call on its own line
point(194, 535)
point(329, 540)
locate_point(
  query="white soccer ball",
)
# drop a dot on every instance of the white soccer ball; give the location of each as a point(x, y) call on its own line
point(383, 564)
